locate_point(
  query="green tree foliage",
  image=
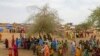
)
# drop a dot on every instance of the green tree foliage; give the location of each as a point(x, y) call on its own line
point(45, 20)
point(94, 18)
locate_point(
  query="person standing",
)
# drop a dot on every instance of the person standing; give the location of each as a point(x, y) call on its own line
point(28, 43)
point(25, 43)
point(6, 43)
point(64, 48)
point(13, 41)
point(15, 49)
point(41, 41)
point(54, 45)
point(17, 43)
point(78, 52)
point(46, 50)
point(72, 49)
point(0, 36)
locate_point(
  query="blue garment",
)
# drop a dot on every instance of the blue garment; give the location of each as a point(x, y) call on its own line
point(54, 44)
point(40, 41)
point(17, 42)
point(72, 50)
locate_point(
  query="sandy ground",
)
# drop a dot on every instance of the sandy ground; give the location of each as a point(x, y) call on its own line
point(9, 35)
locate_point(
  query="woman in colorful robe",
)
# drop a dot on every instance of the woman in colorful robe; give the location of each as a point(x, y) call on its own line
point(46, 50)
point(72, 49)
point(15, 49)
point(78, 52)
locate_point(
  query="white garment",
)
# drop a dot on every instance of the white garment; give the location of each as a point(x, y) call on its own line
point(73, 43)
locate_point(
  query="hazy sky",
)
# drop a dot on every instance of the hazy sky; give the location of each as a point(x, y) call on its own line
point(74, 11)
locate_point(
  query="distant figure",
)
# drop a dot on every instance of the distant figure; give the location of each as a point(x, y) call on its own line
point(54, 44)
point(13, 41)
point(15, 49)
point(25, 43)
point(72, 49)
point(17, 42)
point(0, 36)
point(28, 43)
point(6, 43)
point(41, 41)
point(64, 48)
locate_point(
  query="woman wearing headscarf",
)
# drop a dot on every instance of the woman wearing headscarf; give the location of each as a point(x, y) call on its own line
point(46, 50)
point(72, 49)
point(15, 49)
point(78, 52)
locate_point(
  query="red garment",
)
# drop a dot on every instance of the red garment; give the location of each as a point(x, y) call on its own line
point(25, 44)
point(15, 49)
point(46, 51)
point(13, 41)
point(64, 50)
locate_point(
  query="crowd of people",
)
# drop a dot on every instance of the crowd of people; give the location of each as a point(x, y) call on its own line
point(91, 46)
point(41, 46)
point(48, 46)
